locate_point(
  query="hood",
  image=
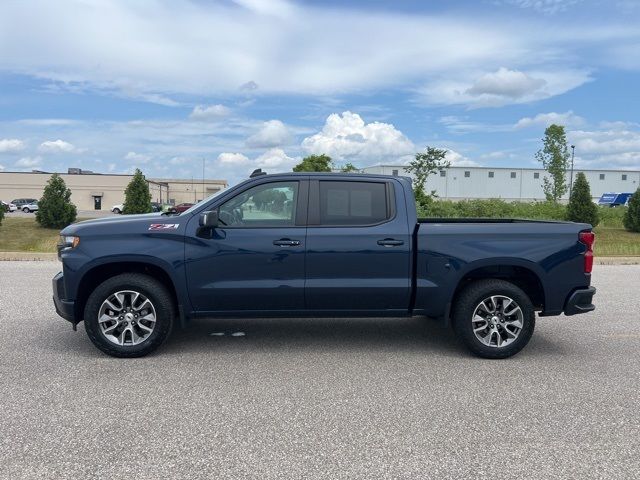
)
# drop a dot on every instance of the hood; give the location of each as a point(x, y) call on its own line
point(117, 222)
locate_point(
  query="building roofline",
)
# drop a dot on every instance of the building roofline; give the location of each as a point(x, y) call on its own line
point(150, 179)
point(477, 167)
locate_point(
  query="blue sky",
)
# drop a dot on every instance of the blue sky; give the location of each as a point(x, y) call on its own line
point(160, 85)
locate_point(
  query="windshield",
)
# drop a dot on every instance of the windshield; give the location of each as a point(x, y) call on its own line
point(190, 209)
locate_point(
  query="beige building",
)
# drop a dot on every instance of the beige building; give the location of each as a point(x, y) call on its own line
point(95, 191)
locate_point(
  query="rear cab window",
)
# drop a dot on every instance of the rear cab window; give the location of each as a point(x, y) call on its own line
point(352, 203)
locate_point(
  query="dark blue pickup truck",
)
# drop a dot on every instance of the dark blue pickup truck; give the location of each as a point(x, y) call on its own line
point(319, 245)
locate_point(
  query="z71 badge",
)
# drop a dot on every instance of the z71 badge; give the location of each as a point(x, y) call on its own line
point(164, 226)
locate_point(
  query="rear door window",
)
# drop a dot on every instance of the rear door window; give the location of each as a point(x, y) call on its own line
point(353, 203)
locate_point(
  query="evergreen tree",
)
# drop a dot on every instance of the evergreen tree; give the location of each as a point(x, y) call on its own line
point(581, 207)
point(314, 163)
point(632, 215)
point(554, 157)
point(55, 209)
point(137, 198)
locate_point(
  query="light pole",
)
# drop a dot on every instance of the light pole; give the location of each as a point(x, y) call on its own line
point(573, 151)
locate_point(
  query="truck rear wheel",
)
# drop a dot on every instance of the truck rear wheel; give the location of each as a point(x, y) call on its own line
point(129, 315)
point(493, 318)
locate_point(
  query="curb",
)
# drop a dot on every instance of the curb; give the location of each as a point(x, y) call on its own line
point(617, 260)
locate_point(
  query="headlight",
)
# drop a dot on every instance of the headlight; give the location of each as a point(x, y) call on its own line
point(68, 242)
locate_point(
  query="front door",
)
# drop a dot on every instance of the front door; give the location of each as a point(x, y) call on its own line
point(358, 248)
point(97, 203)
point(254, 260)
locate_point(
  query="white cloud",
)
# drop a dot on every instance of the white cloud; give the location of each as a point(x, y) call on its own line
point(273, 133)
point(276, 158)
point(617, 147)
point(137, 157)
point(459, 160)
point(605, 141)
point(28, 162)
point(154, 50)
point(1, 167)
point(233, 158)
point(58, 146)
point(502, 87)
point(506, 83)
point(209, 112)
point(347, 137)
point(10, 145)
point(548, 7)
point(568, 119)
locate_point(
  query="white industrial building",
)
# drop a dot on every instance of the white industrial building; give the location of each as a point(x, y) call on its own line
point(511, 184)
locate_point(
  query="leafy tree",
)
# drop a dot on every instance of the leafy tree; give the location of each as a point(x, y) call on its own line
point(137, 198)
point(631, 219)
point(314, 163)
point(349, 167)
point(55, 209)
point(554, 156)
point(426, 163)
point(581, 208)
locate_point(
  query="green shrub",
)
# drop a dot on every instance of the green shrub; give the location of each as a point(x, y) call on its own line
point(1, 213)
point(55, 209)
point(611, 217)
point(137, 198)
point(632, 215)
point(492, 208)
point(581, 208)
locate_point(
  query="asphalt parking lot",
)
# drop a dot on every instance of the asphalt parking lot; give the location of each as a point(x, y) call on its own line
point(320, 398)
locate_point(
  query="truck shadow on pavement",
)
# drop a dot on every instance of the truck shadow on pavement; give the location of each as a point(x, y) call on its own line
point(306, 335)
point(314, 334)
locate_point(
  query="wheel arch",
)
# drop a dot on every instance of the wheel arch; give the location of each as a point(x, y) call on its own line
point(97, 274)
point(524, 276)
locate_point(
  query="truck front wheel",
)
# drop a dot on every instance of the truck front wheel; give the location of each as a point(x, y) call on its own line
point(129, 315)
point(493, 318)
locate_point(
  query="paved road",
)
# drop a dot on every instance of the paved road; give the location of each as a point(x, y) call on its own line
point(358, 399)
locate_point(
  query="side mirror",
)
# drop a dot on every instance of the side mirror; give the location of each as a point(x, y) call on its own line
point(209, 219)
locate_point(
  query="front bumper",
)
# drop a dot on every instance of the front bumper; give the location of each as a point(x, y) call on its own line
point(580, 301)
point(65, 308)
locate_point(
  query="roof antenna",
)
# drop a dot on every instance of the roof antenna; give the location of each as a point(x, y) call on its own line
point(257, 172)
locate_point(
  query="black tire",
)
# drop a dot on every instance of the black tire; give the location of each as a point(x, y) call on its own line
point(116, 211)
point(464, 309)
point(26, 210)
point(155, 291)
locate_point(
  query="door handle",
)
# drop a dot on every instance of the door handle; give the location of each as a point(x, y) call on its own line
point(390, 242)
point(286, 242)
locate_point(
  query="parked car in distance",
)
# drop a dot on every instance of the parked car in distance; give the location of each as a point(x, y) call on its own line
point(183, 207)
point(320, 245)
point(155, 207)
point(21, 202)
point(30, 207)
point(8, 207)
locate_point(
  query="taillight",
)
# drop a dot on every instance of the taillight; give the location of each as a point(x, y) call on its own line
point(588, 238)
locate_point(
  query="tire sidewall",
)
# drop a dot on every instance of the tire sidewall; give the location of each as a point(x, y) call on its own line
point(469, 300)
point(153, 290)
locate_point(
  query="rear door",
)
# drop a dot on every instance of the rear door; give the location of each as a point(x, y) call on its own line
point(358, 247)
